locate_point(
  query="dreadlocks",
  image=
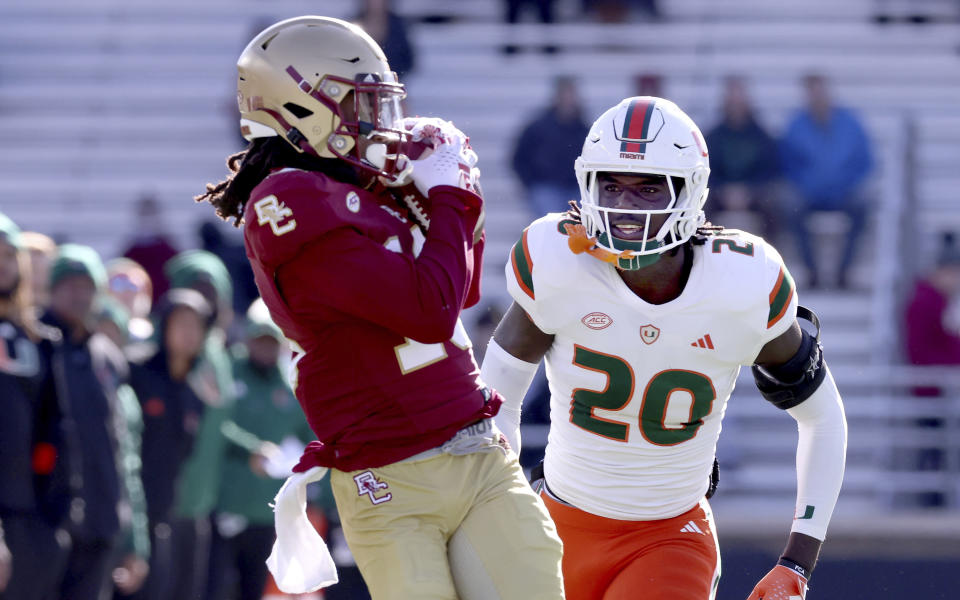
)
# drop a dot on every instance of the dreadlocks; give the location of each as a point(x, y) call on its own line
point(249, 167)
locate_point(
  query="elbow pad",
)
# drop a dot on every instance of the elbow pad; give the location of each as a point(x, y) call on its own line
point(789, 384)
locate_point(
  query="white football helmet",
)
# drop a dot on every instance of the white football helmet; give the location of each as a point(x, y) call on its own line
point(644, 135)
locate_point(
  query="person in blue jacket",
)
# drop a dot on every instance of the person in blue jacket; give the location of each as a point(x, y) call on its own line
point(826, 158)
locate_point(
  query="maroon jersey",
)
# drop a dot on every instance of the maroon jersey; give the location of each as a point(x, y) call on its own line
point(385, 370)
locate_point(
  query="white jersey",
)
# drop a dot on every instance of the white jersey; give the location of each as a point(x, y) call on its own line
point(638, 390)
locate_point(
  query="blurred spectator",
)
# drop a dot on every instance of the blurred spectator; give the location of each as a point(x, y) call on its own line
point(390, 31)
point(267, 426)
point(484, 319)
point(204, 272)
point(16, 298)
point(32, 548)
point(619, 11)
point(89, 372)
point(129, 284)
point(648, 84)
point(130, 567)
point(234, 257)
point(512, 9)
point(743, 160)
point(174, 389)
point(200, 480)
point(42, 251)
point(826, 158)
point(151, 247)
point(544, 153)
point(930, 340)
point(112, 320)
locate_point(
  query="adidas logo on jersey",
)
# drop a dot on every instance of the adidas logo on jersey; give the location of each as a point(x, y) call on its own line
point(704, 342)
point(692, 527)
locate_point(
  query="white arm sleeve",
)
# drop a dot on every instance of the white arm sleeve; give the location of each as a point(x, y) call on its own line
point(821, 457)
point(511, 377)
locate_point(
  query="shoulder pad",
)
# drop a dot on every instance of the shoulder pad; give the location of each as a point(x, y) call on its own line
point(292, 207)
point(544, 239)
point(540, 263)
point(772, 279)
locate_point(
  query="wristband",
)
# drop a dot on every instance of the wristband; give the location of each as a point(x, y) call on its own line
point(796, 568)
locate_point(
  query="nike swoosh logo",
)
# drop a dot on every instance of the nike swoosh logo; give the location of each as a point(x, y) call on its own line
point(679, 147)
point(353, 60)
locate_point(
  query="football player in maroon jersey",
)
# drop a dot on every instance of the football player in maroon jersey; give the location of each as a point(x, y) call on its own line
point(433, 503)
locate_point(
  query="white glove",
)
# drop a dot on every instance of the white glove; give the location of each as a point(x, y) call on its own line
point(451, 162)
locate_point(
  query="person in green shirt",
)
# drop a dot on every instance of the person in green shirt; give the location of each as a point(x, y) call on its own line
point(199, 480)
point(267, 425)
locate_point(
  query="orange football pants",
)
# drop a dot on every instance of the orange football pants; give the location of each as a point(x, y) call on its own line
point(610, 559)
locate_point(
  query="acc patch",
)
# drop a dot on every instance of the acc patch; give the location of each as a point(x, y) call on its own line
point(353, 202)
point(597, 320)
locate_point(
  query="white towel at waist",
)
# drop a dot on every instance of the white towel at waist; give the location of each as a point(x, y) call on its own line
point(300, 561)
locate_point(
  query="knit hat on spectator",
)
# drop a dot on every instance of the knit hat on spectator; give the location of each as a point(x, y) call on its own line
point(9, 232)
point(187, 269)
point(74, 259)
point(181, 298)
point(260, 324)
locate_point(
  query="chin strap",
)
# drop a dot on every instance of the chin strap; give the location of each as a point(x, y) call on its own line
point(579, 242)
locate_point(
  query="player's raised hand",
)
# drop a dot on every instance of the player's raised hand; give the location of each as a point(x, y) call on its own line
point(781, 583)
point(448, 159)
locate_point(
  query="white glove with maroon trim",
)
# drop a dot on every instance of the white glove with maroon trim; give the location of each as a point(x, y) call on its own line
point(450, 162)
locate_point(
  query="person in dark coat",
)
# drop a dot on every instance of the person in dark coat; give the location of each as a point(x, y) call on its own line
point(743, 160)
point(168, 380)
point(546, 149)
point(34, 546)
point(88, 373)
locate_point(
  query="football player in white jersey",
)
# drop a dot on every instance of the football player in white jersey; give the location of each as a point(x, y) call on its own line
point(645, 315)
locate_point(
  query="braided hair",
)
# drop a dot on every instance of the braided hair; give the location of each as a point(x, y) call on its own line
point(251, 166)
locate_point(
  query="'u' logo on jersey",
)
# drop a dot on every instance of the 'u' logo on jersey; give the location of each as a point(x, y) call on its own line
point(368, 484)
point(649, 334)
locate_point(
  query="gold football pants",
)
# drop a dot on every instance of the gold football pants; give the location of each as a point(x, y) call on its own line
point(450, 527)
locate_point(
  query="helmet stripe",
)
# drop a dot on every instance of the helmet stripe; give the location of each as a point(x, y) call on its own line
point(636, 125)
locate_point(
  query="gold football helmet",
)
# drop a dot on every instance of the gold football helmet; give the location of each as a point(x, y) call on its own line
point(321, 84)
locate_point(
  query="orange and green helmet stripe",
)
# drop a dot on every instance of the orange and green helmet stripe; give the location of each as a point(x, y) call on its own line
point(636, 126)
point(523, 265)
point(780, 297)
